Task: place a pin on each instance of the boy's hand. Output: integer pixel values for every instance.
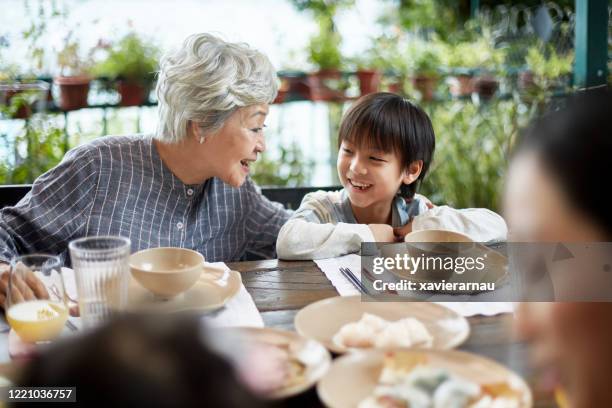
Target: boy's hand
(382, 232)
(427, 201)
(400, 232)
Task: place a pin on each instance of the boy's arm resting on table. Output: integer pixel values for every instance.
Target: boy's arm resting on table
(480, 224)
(263, 222)
(312, 233)
(303, 240)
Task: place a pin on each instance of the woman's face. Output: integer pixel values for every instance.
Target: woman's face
(235, 146)
(570, 341)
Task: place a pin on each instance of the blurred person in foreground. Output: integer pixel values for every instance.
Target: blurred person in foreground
(556, 193)
(143, 361)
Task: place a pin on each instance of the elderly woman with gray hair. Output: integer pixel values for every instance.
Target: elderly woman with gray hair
(187, 186)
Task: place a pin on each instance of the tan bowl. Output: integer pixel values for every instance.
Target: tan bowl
(167, 272)
(436, 236)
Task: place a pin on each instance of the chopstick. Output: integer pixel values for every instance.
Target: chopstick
(71, 326)
(348, 274)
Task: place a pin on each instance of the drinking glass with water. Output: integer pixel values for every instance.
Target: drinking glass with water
(102, 275)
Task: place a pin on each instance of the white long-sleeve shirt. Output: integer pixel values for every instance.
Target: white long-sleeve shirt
(324, 226)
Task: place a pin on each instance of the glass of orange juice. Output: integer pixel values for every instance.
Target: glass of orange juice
(39, 315)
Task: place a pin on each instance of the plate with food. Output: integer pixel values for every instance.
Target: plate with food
(403, 378)
(280, 362)
(347, 323)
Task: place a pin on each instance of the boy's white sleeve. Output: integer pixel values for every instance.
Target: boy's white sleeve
(300, 239)
(480, 224)
(313, 232)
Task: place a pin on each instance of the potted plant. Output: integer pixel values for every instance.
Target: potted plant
(19, 99)
(324, 54)
(132, 63)
(74, 77)
(368, 75)
(293, 86)
(20, 95)
(369, 80)
(424, 64)
(38, 147)
(387, 56)
(546, 68)
(474, 65)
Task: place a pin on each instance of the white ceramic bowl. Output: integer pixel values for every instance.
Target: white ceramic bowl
(167, 272)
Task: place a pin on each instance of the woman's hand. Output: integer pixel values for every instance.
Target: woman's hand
(30, 289)
(382, 232)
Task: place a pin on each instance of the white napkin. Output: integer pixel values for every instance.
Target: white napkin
(331, 269)
(239, 311)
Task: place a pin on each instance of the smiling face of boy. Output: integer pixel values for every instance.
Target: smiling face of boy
(370, 176)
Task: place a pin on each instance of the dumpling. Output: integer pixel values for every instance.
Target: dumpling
(427, 378)
(354, 335)
(407, 332)
(361, 333)
(373, 321)
(455, 393)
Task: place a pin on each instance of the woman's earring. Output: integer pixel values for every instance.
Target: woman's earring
(201, 139)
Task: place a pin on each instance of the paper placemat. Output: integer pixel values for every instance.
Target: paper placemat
(331, 269)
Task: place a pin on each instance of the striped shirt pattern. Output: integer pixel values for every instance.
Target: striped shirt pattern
(118, 185)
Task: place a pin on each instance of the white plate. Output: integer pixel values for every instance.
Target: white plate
(212, 291)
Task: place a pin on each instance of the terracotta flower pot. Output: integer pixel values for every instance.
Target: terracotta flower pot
(396, 87)
(486, 86)
(132, 94)
(280, 96)
(426, 85)
(320, 90)
(24, 111)
(34, 93)
(461, 85)
(73, 91)
(526, 80)
(369, 80)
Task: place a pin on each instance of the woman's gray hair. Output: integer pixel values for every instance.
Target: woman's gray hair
(206, 81)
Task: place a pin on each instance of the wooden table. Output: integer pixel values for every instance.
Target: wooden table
(281, 288)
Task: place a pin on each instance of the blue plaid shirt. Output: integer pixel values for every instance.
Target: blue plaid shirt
(120, 186)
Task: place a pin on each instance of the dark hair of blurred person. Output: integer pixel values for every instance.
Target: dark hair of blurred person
(560, 173)
(141, 361)
(557, 192)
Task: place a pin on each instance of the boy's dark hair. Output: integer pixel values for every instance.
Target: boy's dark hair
(390, 123)
(575, 146)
